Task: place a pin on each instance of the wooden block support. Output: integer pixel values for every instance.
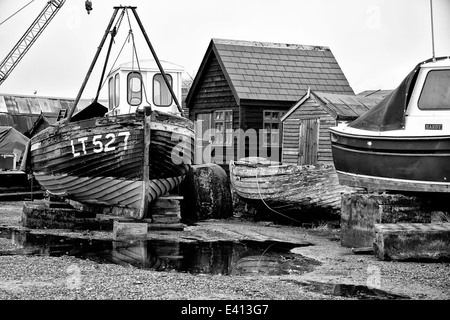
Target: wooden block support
(412, 241)
(44, 214)
(361, 211)
(129, 230)
(166, 214)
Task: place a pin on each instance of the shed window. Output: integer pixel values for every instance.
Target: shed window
(134, 81)
(161, 93)
(272, 127)
(436, 91)
(223, 125)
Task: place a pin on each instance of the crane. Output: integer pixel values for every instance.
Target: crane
(30, 36)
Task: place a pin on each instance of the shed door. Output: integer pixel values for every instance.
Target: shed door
(308, 142)
(202, 123)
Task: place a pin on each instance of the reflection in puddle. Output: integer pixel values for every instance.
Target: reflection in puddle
(217, 257)
(348, 290)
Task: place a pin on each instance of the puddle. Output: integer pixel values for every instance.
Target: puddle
(218, 257)
(359, 292)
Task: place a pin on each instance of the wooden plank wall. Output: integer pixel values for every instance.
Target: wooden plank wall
(291, 138)
(291, 132)
(213, 93)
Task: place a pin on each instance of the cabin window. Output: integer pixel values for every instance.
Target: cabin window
(161, 93)
(436, 91)
(111, 93)
(223, 125)
(134, 96)
(272, 127)
(116, 90)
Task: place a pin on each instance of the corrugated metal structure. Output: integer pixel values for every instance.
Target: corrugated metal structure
(305, 138)
(375, 93)
(23, 112)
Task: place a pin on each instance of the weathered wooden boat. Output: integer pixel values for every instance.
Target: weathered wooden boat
(403, 143)
(298, 192)
(122, 158)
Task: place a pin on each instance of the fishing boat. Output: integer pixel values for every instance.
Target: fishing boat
(297, 192)
(120, 158)
(402, 143)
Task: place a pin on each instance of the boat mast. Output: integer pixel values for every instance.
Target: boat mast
(432, 30)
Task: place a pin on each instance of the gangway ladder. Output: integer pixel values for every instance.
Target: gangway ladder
(34, 31)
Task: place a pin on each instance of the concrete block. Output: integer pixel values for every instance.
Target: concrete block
(129, 230)
(412, 241)
(361, 211)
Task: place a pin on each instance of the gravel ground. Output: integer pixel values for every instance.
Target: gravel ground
(28, 277)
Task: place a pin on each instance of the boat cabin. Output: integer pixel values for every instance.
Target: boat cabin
(402, 143)
(420, 106)
(132, 86)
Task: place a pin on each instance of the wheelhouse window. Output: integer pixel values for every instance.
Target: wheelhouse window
(271, 127)
(161, 93)
(111, 94)
(134, 81)
(223, 125)
(116, 90)
(436, 91)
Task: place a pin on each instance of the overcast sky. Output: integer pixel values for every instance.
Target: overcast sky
(376, 42)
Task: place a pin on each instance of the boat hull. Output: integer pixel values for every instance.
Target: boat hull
(296, 191)
(120, 163)
(416, 164)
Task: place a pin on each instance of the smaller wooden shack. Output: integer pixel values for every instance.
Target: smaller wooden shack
(305, 136)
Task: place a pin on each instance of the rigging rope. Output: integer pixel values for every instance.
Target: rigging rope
(134, 53)
(115, 30)
(114, 63)
(16, 12)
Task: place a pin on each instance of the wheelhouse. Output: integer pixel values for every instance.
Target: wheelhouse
(131, 87)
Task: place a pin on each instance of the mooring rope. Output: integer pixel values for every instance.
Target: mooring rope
(260, 196)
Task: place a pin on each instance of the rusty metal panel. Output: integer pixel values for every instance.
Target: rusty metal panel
(22, 104)
(49, 105)
(6, 120)
(23, 123)
(34, 106)
(11, 105)
(3, 105)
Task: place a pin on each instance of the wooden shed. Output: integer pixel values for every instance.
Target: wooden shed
(305, 138)
(251, 85)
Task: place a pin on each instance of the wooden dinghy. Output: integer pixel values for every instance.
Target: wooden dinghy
(295, 190)
(120, 158)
